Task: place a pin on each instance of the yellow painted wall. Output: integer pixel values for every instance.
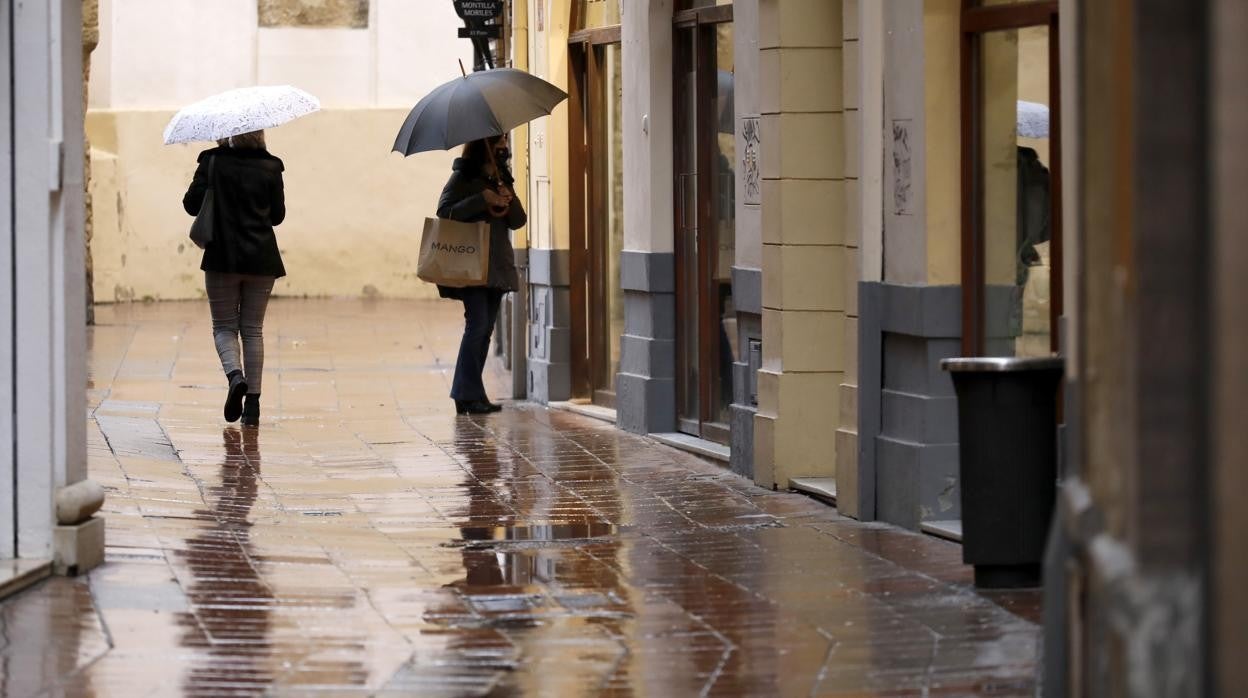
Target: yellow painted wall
(553, 67)
(354, 208)
(942, 107)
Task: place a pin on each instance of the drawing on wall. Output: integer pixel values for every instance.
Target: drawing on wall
(902, 192)
(751, 134)
(342, 14)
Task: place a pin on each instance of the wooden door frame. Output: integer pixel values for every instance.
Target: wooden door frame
(587, 261)
(701, 22)
(974, 22)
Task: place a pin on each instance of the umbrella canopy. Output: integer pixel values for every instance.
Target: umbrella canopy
(239, 111)
(482, 104)
(1033, 120)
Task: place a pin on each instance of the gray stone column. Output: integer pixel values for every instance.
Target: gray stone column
(550, 315)
(646, 384)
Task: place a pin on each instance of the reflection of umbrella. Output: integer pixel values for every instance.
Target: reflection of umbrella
(239, 111)
(483, 104)
(1033, 120)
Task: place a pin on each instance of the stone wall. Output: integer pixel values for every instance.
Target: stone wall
(350, 14)
(90, 39)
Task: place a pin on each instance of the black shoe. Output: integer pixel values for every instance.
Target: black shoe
(476, 407)
(251, 411)
(234, 399)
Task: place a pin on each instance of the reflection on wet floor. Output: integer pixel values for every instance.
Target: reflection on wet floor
(539, 532)
(365, 541)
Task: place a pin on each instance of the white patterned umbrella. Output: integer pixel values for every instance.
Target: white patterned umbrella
(239, 111)
(1033, 120)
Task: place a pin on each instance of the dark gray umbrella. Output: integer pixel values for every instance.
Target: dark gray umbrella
(483, 104)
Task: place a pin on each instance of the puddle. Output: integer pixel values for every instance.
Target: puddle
(539, 532)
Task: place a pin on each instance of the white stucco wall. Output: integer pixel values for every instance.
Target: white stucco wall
(165, 53)
(355, 209)
(647, 117)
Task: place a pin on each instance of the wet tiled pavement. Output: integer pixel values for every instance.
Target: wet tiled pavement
(365, 541)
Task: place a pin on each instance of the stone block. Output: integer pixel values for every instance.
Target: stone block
(853, 214)
(851, 348)
(916, 482)
(847, 393)
(348, 14)
(764, 450)
(645, 405)
(79, 548)
(801, 419)
(804, 211)
(847, 473)
(852, 273)
(742, 427)
(804, 341)
(853, 144)
(800, 23)
(800, 80)
(803, 145)
(803, 277)
(849, 19)
(851, 81)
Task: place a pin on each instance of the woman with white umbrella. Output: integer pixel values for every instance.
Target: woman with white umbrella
(242, 262)
(238, 191)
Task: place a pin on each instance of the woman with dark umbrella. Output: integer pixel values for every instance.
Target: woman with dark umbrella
(480, 190)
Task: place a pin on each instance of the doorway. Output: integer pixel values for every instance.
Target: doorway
(597, 191)
(705, 210)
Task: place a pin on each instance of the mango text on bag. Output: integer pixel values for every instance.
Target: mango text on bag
(457, 249)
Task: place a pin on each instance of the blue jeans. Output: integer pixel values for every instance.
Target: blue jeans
(480, 314)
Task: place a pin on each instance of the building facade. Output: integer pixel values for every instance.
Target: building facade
(761, 224)
(355, 208)
(748, 233)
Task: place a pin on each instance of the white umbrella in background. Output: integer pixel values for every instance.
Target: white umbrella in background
(1033, 120)
(239, 111)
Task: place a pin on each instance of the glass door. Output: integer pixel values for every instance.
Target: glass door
(596, 166)
(605, 222)
(1012, 252)
(705, 208)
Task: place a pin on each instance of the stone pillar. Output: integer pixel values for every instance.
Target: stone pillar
(747, 275)
(646, 383)
(805, 257)
(847, 501)
(549, 298)
(909, 301)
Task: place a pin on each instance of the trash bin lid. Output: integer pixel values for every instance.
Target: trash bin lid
(1002, 363)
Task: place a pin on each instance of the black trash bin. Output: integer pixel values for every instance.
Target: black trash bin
(1007, 453)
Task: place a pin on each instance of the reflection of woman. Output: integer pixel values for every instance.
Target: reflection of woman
(242, 262)
(480, 190)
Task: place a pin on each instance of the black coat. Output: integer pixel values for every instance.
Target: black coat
(463, 201)
(250, 200)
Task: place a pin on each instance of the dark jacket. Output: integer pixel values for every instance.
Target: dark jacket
(462, 200)
(250, 200)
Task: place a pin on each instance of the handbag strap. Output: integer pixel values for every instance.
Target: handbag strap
(212, 166)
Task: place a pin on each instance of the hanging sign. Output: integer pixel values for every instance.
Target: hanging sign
(481, 31)
(478, 10)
